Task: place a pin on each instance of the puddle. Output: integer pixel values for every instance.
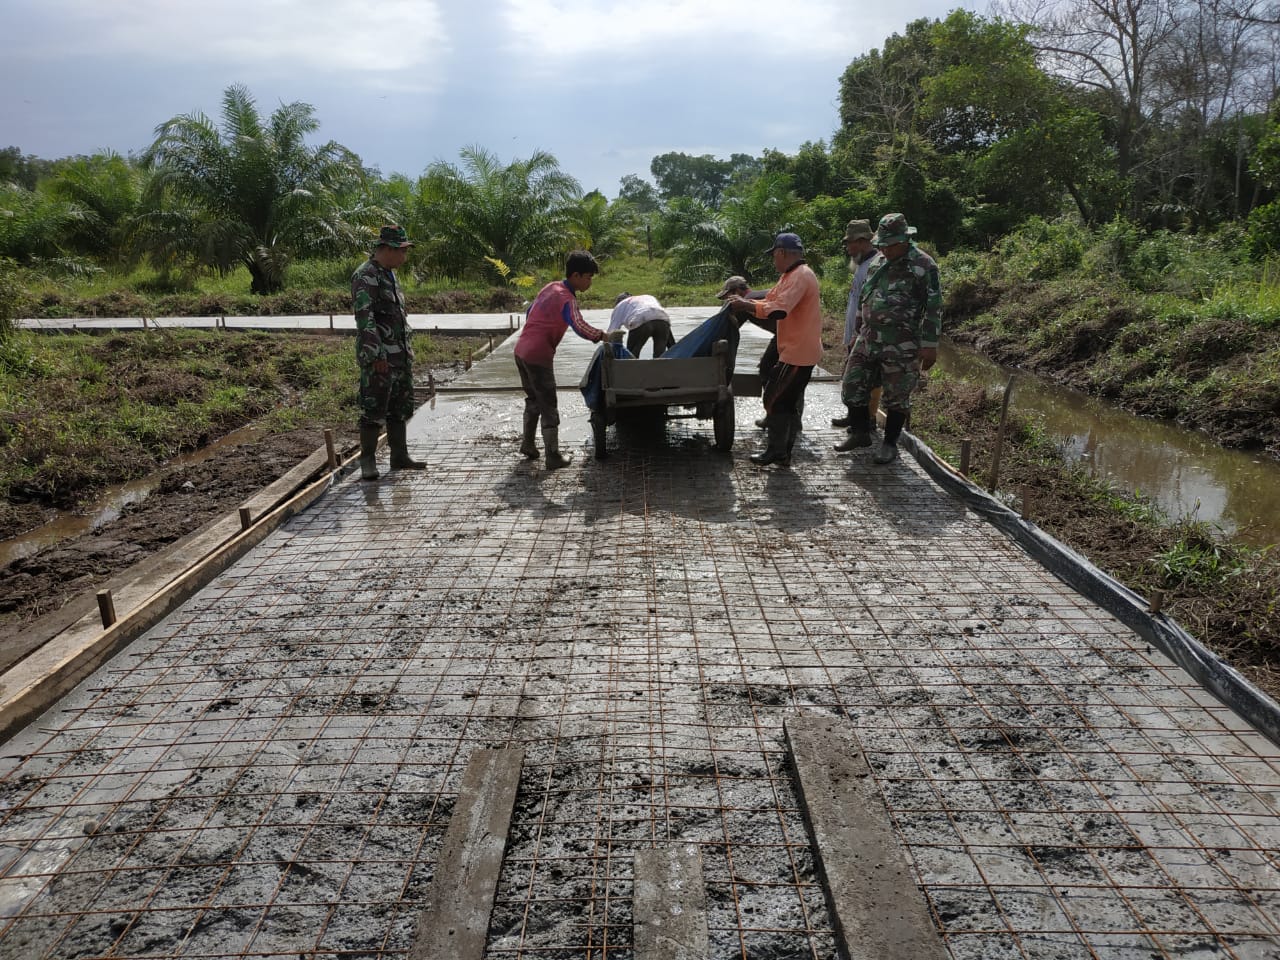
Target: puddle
(113, 501)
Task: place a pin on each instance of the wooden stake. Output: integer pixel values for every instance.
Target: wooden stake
(966, 448)
(994, 476)
(246, 518)
(1026, 502)
(330, 449)
(1157, 600)
(331, 321)
(106, 607)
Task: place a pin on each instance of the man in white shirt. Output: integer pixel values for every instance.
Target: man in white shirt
(643, 318)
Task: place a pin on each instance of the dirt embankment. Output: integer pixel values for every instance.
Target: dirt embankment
(185, 499)
(1218, 374)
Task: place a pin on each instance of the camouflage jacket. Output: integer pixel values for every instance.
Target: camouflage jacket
(902, 299)
(382, 326)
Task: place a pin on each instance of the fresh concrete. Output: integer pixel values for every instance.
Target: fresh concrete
(271, 769)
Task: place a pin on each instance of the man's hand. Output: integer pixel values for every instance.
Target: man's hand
(381, 366)
(741, 305)
(928, 357)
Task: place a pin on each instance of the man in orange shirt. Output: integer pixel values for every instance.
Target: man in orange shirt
(799, 345)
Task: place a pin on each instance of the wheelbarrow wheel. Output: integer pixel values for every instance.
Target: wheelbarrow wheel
(598, 427)
(723, 422)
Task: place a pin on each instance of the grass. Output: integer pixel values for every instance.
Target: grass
(83, 411)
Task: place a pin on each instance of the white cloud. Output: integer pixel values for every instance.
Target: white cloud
(394, 43)
(619, 34)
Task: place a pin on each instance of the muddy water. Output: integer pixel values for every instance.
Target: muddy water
(112, 503)
(1181, 470)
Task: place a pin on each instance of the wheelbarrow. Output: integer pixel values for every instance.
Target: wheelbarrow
(680, 388)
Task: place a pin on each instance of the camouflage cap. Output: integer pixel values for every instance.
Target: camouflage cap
(620, 297)
(893, 229)
(857, 230)
(734, 284)
(393, 236)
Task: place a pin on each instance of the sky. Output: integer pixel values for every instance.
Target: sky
(603, 85)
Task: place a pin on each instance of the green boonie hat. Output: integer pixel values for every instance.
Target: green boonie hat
(857, 230)
(893, 229)
(393, 236)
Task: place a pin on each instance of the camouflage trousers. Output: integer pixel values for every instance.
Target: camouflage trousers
(893, 366)
(385, 396)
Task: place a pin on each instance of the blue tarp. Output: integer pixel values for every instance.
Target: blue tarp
(699, 341)
(592, 385)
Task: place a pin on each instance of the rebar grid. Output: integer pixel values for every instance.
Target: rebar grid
(269, 772)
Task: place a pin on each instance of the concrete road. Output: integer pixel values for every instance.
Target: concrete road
(270, 771)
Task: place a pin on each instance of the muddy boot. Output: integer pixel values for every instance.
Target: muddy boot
(887, 452)
(551, 440)
(398, 444)
(369, 451)
(859, 430)
(778, 449)
(529, 442)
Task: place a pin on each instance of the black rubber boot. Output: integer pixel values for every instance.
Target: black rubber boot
(859, 430)
(529, 442)
(369, 451)
(845, 420)
(551, 440)
(779, 439)
(397, 442)
(887, 452)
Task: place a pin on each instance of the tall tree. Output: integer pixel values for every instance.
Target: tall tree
(520, 213)
(1113, 46)
(640, 194)
(698, 178)
(252, 193)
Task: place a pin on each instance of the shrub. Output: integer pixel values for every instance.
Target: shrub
(1042, 249)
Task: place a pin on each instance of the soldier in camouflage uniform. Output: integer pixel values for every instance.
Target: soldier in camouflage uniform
(901, 306)
(384, 354)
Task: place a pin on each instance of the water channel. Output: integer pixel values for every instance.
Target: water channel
(1182, 471)
(112, 502)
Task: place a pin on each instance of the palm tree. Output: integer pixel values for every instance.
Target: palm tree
(732, 239)
(602, 227)
(106, 188)
(519, 214)
(252, 193)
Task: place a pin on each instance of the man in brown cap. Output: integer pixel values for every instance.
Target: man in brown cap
(857, 244)
(383, 353)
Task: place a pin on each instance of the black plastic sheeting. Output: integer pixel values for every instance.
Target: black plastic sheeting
(1160, 631)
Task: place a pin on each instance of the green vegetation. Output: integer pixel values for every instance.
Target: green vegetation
(85, 411)
(1165, 324)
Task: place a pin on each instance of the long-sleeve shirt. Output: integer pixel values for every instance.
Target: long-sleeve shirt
(902, 300)
(553, 312)
(800, 333)
(852, 312)
(382, 327)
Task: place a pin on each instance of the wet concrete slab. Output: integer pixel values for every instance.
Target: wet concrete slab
(272, 769)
